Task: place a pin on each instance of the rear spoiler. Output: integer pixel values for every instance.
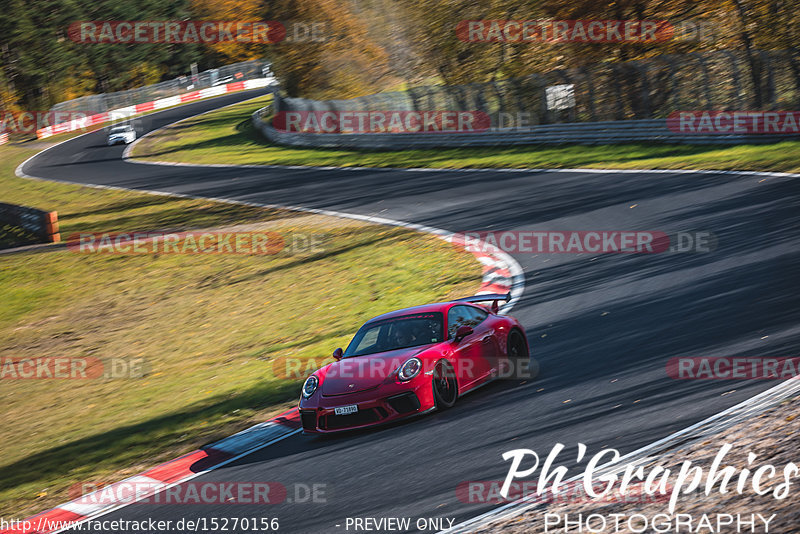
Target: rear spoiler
(487, 297)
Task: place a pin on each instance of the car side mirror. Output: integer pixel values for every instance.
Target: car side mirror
(462, 332)
(337, 354)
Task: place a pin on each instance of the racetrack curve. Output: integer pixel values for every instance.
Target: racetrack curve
(602, 327)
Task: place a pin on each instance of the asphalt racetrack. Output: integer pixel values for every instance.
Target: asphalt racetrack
(602, 326)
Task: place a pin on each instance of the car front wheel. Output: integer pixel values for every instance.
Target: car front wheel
(445, 387)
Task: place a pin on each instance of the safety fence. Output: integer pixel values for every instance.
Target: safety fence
(236, 72)
(604, 103)
(123, 114)
(606, 132)
(635, 90)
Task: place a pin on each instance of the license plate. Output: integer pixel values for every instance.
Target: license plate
(346, 410)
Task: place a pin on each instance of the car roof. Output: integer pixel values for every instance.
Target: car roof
(425, 308)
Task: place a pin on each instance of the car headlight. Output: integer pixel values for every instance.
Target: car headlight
(310, 386)
(409, 370)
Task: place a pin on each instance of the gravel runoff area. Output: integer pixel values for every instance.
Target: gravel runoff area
(771, 436)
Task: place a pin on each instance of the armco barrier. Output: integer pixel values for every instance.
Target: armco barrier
(102, 102)
(126, 112)
(604, 91)
(43, 224)
(607, 132)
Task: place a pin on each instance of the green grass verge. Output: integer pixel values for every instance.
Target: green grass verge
(14, 236)
(226, 136)
(210, 328)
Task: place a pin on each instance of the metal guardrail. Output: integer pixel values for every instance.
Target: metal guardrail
(606, 132)
(652, 88)
(101, 103)
(596, 104)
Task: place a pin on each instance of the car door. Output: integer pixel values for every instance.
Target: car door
(484, 331)
(471, 365)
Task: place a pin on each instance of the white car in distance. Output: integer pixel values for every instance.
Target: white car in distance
(125, 134)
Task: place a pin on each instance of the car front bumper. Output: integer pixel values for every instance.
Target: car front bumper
(381, 405)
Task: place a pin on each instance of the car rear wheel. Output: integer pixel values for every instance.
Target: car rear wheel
(445, 387)
(523, 365)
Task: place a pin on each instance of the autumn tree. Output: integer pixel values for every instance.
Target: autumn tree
(346, 62)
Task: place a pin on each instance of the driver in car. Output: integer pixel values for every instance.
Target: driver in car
(404, 336)
(412, 333)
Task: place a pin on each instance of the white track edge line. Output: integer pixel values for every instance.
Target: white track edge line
(517, 274)
(766, 174)
(18, 171)
(514, 267)
(128, 157)
(126, 154)
(192, 476)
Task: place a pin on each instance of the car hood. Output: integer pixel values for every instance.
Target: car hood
(361, 373)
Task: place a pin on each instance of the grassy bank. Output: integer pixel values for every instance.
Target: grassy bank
(226, 136)
(211, 330)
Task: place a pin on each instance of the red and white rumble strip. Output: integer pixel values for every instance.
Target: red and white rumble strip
(126, 112)
(3, 138)
(501, 274)
(498, 276)
(163, 476)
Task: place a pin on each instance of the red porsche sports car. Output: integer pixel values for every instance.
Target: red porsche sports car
(412, 361)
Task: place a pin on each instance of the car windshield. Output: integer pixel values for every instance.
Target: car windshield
(120, 129)
(397, 333)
